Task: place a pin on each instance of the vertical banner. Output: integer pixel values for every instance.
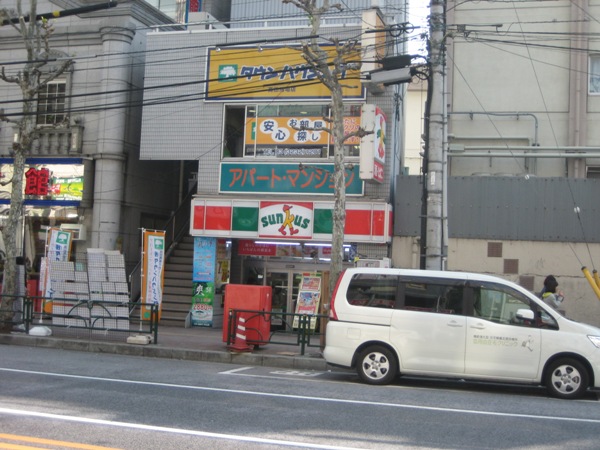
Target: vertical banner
(58, 249)
(203, 296)
(153, 271)
(59, 244)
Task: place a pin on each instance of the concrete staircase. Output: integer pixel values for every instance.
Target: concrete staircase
(177, 294)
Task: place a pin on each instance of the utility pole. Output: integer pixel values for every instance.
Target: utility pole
(436, 234)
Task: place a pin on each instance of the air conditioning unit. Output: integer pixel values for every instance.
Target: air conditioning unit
(380, 263)
(78, 231)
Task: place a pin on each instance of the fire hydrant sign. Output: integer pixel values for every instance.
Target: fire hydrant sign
(203, 296)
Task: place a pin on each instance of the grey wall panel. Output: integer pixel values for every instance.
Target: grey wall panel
(508, 208)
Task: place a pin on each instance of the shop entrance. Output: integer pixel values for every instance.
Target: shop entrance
(286, 280)
(285, 286)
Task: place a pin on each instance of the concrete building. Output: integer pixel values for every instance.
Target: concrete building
(89, 123)
(244, 93)
(523, 151)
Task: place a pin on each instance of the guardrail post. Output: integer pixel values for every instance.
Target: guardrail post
(154, 322)
(27, 313)
(303, 333)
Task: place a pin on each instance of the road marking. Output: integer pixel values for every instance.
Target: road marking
(227, 372)
(47, 442)
(296, 373)
(139, 426)
(306, 397)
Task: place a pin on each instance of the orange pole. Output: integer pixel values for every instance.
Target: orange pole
(588, 276)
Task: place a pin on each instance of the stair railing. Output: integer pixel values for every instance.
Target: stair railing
(175, 229)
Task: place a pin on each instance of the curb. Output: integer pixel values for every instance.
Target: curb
(156, 351)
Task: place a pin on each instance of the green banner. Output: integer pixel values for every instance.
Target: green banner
(285, 178)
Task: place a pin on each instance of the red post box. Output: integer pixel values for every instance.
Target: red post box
(249, 297)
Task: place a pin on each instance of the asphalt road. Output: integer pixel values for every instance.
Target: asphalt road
(63, 399)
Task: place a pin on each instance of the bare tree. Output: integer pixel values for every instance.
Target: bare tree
(330, 70)
(31, 79)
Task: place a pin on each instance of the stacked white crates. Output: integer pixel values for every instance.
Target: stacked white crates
(92, 295)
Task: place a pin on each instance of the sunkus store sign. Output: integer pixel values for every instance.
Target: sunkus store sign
(279, 220)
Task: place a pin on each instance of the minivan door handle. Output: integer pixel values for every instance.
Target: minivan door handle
(478, 326)
(455, 324)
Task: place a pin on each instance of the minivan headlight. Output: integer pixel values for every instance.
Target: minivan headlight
(595, 340)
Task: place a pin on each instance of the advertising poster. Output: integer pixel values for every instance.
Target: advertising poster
(205, 270)
(153, 259)
(308, 300)
(202, 304)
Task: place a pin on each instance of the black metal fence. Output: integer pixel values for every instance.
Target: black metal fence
(87, 319)
(266, 327)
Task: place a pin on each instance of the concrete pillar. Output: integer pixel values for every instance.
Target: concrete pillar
(111, 153)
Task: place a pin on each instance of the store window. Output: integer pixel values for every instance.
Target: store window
(51, 103)
(295, 131)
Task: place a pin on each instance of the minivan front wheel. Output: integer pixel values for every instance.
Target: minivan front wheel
(567, 378)
(377, 365)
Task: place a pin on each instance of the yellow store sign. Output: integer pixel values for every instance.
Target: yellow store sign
(281, 73)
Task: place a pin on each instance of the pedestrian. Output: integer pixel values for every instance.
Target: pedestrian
(551, 295)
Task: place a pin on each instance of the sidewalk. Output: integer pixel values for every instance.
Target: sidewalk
(194, 344)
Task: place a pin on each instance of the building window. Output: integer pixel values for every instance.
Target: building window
(593, 172)
(594, 72)
(51, 104)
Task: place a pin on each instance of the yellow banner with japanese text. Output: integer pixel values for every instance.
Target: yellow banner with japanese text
(264, 73)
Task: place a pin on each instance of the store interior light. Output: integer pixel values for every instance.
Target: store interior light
(276, 243)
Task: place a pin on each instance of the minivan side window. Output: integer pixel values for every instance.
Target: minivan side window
(501, 304)
(437, 296)
(374, 290)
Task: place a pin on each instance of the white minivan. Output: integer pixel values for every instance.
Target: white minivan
(386, 322)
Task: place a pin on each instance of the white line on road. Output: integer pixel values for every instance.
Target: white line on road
(139, 426)
(227, 372)
(305, 397)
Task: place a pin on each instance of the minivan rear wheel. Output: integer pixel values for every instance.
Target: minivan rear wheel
(377, 365)
(567, 378)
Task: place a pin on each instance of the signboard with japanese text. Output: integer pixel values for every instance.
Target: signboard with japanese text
(307, 303)
(202, 304)
(295, 131)
(52, 180)
(372, 146)
(204, 270)
(153, 263)
(58, 248)
(205, 257)
(251, 73)
(252, 248)
(59, 244)
(282, 178)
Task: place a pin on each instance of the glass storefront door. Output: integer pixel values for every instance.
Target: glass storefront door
(285, 286)
(286, 280)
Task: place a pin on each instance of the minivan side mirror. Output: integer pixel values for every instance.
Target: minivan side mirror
(525, 314)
